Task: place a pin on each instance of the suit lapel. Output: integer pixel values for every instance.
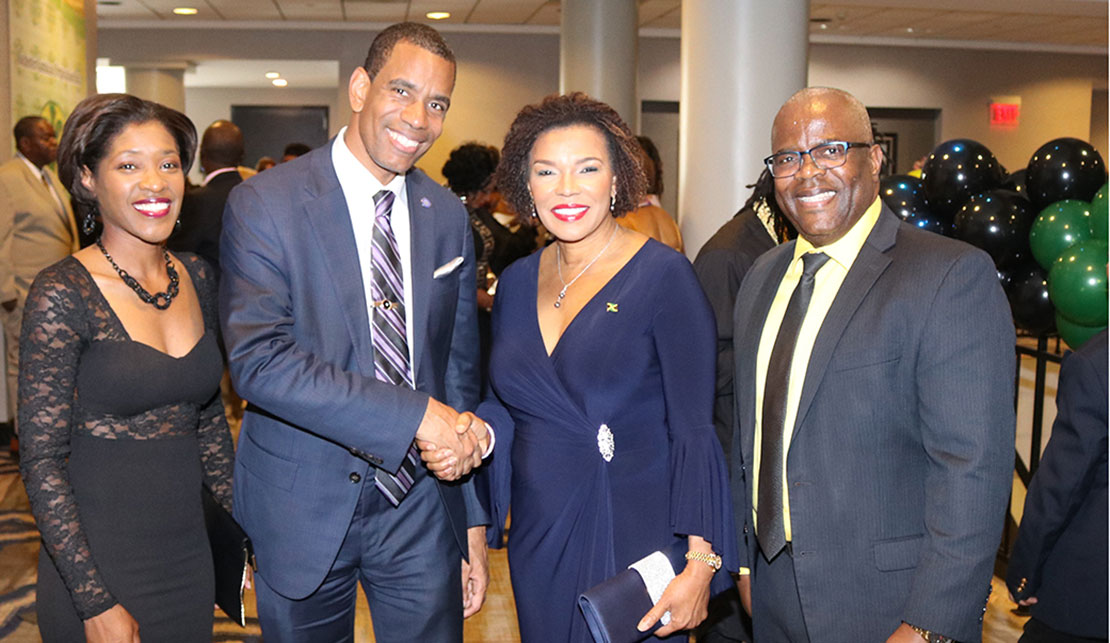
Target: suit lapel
(865, 271)
(748, 346)
(66, 213)
(422, 245)
(326, 210)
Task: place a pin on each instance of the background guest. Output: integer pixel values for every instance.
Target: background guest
(36, 229)
(1058, 566)
(649, 217)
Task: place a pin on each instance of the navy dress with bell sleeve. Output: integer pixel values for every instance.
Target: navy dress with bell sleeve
(606, 448)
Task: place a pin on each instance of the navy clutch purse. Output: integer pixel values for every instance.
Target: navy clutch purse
(614, 607)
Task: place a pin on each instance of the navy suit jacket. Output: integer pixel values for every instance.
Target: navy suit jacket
(900, 464)
(202, 212)
(295, 323)
(1060, 552)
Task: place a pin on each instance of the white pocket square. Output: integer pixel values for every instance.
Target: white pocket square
(447, 268)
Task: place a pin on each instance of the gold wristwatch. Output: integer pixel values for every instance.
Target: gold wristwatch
(713, 560)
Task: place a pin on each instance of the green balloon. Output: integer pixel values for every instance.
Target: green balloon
(1075, 334)
(1099, 225)
(1077, 283)
(1058, 226)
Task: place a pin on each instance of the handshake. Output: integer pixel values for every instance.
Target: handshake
(451, 443)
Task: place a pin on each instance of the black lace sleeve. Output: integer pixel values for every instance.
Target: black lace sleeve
(216, 450)
(55, 329)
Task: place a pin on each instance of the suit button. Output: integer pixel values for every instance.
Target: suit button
(354, 477)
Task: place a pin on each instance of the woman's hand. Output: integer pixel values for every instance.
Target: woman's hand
(114, 625)
(686, 597)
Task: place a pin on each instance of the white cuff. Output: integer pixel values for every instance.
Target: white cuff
(492, 441)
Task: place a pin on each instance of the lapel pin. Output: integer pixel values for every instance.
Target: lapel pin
(425, 202)
(610, 307)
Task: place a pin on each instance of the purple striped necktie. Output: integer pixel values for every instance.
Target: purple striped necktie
(391, 346)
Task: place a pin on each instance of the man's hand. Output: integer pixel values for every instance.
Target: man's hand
(114, 625)
(451, 444)
(475, 574)
(744, 585)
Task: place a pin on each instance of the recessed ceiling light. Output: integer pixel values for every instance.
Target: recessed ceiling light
(438, 15)
(279, 82)
(185, 11)
(272, 75)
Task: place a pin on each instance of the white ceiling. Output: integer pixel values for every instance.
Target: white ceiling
(1047, 22)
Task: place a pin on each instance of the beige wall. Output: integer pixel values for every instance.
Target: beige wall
(499, 73)
(1055, 90)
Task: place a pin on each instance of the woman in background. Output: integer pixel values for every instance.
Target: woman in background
(119, 408)
(649, 217)
(601, 382)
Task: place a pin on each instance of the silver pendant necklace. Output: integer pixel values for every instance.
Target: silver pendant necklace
(559, 266)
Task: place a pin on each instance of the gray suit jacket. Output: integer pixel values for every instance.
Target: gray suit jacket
(298, 342)
(899, 468)
(35, 231)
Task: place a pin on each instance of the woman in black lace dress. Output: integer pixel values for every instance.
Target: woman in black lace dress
(119, 409)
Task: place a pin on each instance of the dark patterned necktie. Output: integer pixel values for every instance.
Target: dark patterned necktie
(391, 346)
(771, 529)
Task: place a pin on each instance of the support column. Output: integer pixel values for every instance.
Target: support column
(741, 59)
(597, 53)
(162, 82)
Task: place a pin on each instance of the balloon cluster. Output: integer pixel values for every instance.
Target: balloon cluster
(1045, 226)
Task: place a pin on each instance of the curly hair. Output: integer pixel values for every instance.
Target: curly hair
(95, 123)
(469, 167)
(555, 112)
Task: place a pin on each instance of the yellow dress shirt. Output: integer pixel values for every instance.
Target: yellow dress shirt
(843, 253)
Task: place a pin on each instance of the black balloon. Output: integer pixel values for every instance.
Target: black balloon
(905, 195)
(998, 222)
(1029, 302)
(1064, 168)
(955, 171)
(1015, 182)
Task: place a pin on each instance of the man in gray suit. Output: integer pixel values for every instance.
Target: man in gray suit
(36, 227)
(874, 388)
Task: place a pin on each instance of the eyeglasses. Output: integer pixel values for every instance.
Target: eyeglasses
(825, 156)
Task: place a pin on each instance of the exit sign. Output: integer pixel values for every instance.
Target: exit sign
(1005, 111)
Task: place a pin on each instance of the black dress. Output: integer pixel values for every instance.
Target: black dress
(116, 439)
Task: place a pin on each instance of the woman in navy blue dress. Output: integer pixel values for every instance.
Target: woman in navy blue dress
(601, 384)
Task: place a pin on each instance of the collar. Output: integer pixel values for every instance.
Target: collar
(845, 249)
(354, 178)
(223, 170)
(37, 170)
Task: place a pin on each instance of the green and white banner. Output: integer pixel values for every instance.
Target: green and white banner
(47, 58)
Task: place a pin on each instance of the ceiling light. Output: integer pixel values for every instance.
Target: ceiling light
(438, 15)
(272, 75)
(185, 11)
(279, 82)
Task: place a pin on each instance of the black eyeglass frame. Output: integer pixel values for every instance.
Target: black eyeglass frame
(847, 145)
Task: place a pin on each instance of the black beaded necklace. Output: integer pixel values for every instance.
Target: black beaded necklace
(160, 300)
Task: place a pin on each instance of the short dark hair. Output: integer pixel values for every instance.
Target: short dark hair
(418, 34)
(25, 127)
(655, 182)
(555, 112)
(296, 149)
(469, 167)
(95, 123)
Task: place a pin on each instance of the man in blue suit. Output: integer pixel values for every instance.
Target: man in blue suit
(874, 391)
(1058, 566)
(349, 315)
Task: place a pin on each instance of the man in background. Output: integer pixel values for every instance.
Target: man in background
(37, 229)
(202, 211)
